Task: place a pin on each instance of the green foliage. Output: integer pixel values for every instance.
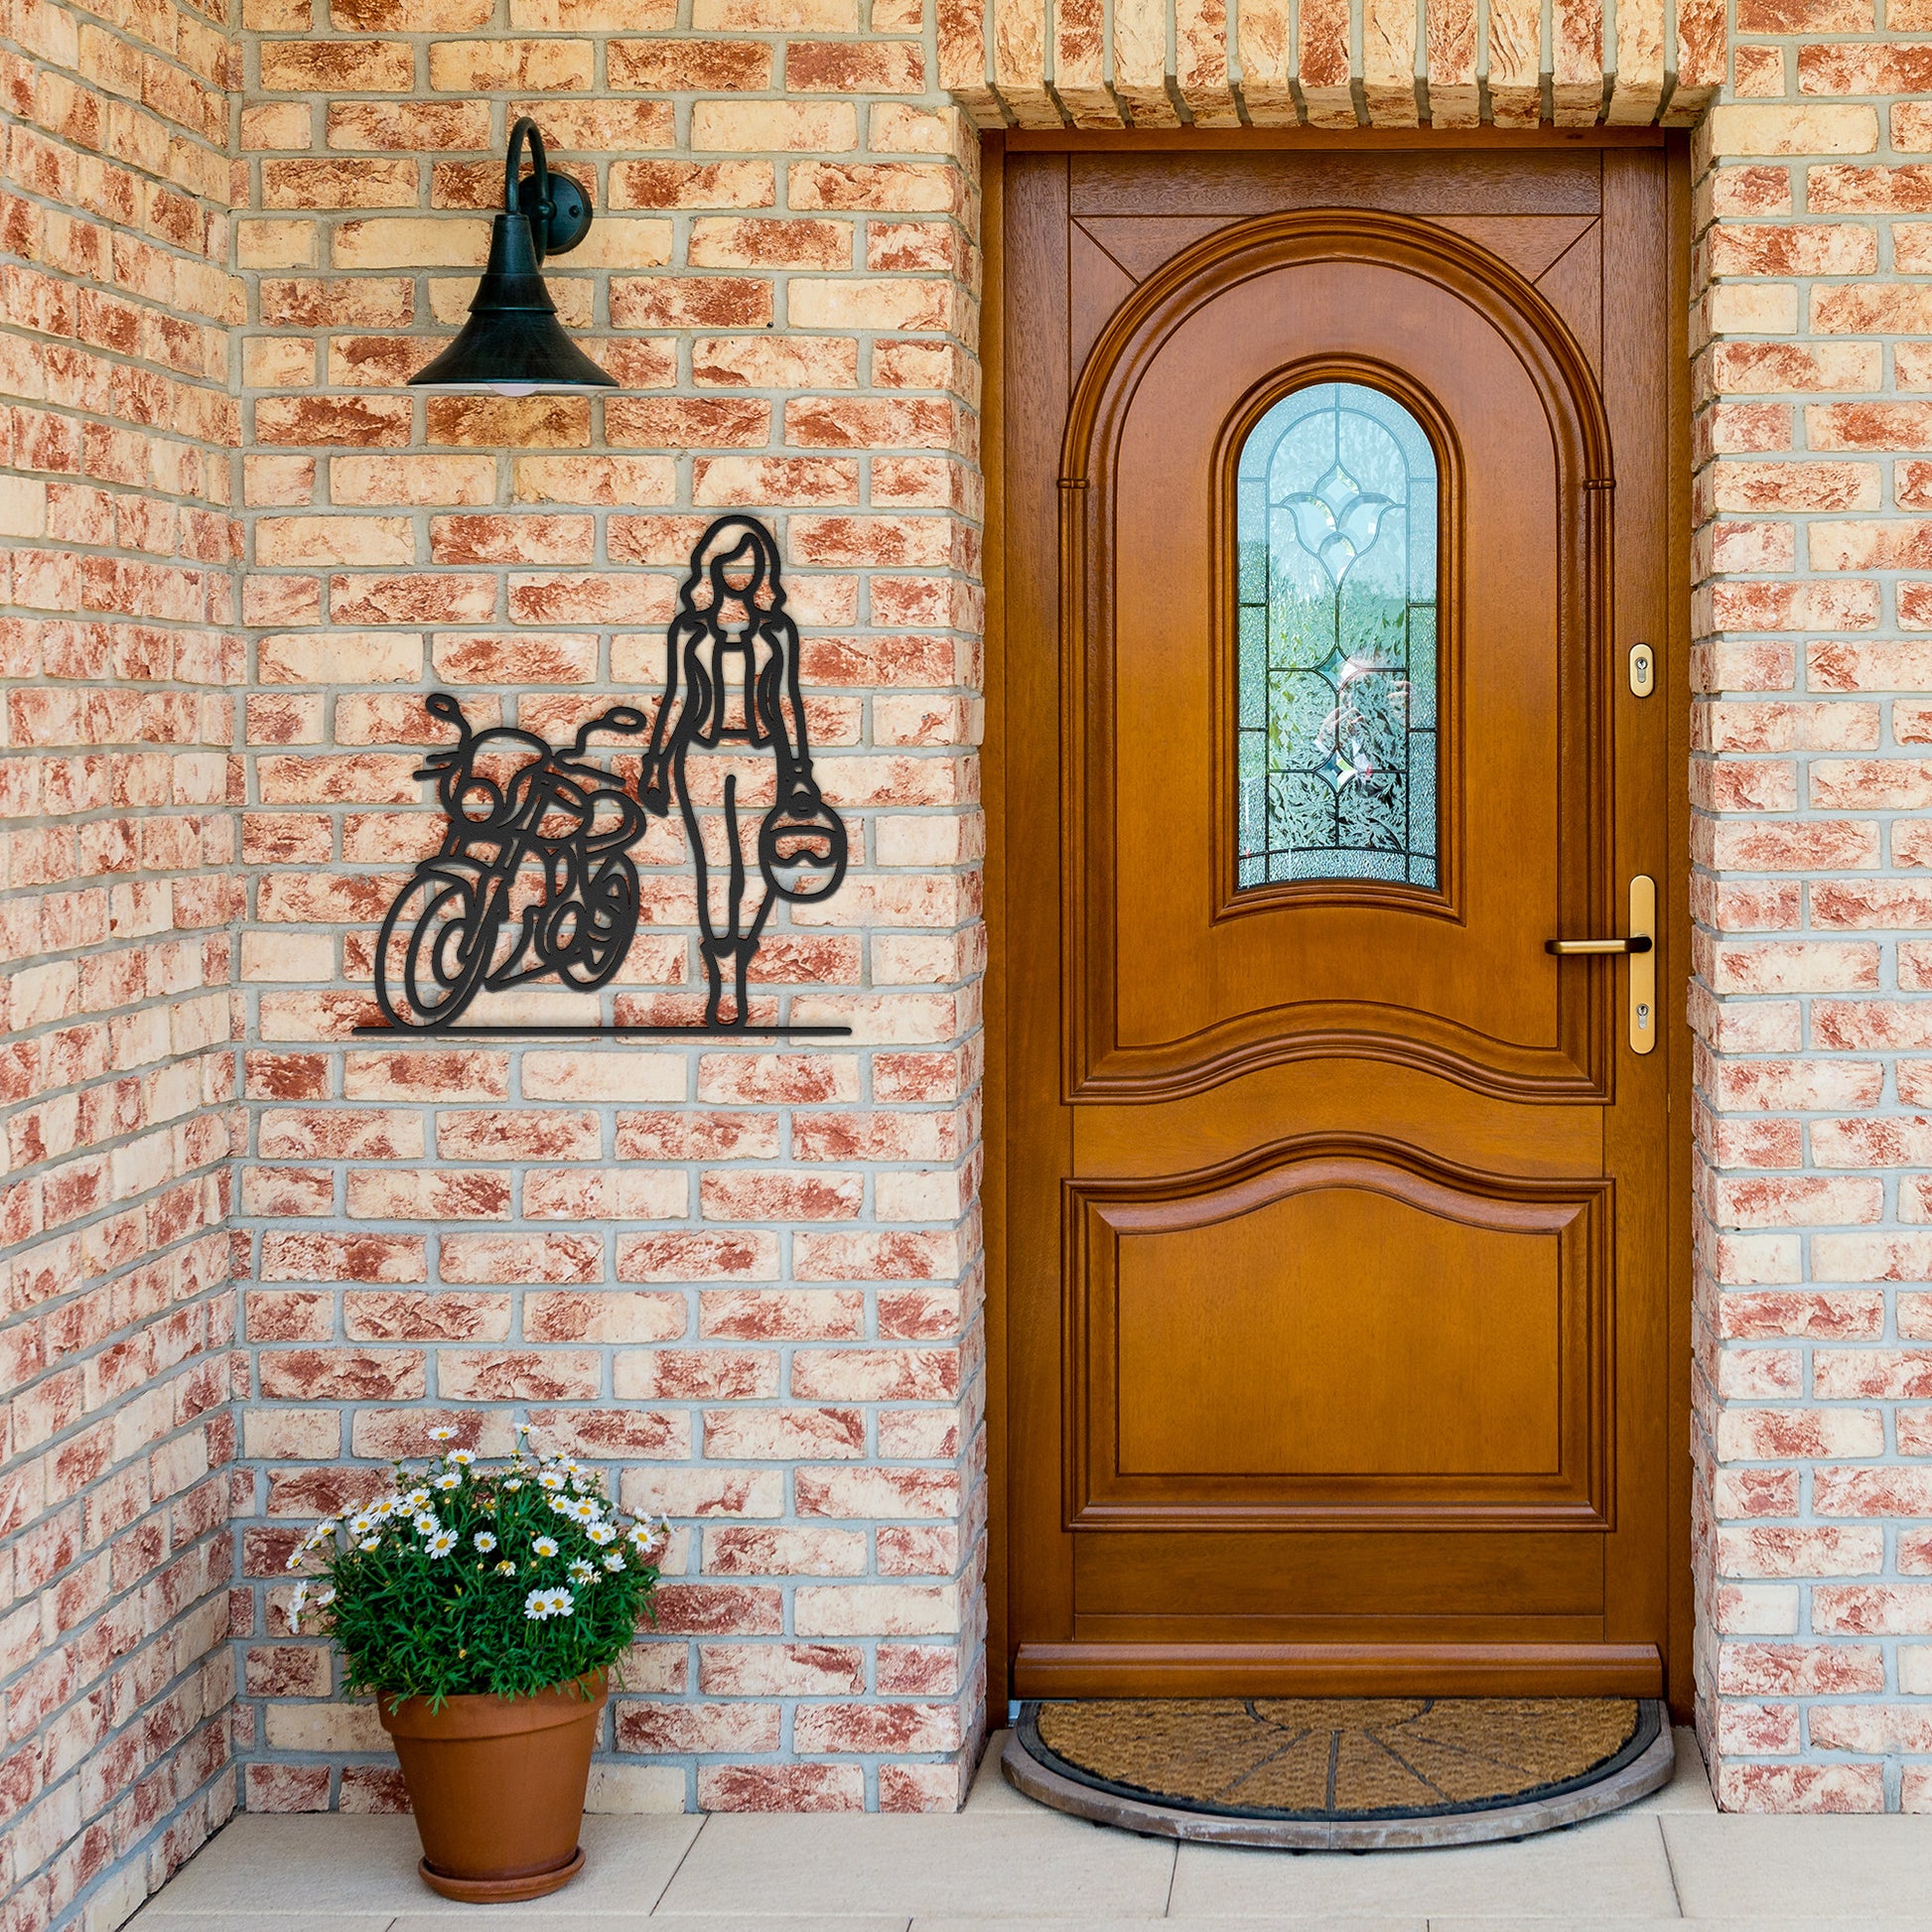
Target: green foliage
(466, 1579)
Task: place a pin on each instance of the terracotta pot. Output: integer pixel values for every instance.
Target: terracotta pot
(498, 1786)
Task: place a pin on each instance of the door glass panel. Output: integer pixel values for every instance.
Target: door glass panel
(1335, 523)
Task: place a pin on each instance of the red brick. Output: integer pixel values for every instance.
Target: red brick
(697, 1727)
(781, 1787)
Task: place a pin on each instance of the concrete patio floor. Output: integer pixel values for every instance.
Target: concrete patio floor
(1671, 1858)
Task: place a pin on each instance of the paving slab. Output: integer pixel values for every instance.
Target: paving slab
(990, 1789)
(1592, 1923)
(156, 1922)
(1759, 1867)
(1039, 1866)
(306, 1866)
(1613, 1868)
(533, 1918)
(1181, 1925)
(778, 1922)
(527, 1918)
(1689, 1788)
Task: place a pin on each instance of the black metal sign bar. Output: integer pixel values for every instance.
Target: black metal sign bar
(609, 1033)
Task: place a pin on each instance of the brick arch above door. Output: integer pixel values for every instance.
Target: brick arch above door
(1110, 64)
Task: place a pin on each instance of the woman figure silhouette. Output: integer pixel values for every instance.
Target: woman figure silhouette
(730, 687)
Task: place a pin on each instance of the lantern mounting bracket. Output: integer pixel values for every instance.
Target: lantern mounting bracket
(558, 210)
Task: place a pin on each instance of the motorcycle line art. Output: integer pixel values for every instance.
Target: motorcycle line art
(534, 875)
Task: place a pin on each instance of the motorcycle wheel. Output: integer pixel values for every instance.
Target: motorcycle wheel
(434, 948)
(589, 936)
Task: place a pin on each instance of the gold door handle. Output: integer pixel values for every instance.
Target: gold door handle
(1641, 947)
(1570, 948)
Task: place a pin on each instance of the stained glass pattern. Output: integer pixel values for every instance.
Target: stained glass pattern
(1335, 523)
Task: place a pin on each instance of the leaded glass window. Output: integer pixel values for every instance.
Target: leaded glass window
(1335, 515)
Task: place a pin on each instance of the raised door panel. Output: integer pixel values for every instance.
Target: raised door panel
(1337, 1586)
(1332, 1336)
(1561, 253)
(1346, 1334)
(1519, 183)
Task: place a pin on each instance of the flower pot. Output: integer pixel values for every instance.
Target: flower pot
(498, 1787)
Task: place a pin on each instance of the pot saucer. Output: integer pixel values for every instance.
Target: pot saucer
(502, 1891)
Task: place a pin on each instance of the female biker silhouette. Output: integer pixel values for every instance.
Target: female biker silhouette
(732, 688)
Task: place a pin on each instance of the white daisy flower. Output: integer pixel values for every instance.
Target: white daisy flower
(507, 1568)
(441, 1434)
(361, 1523)
(552, 1479)
(386, 1507)
(642, 1536)
(450, 1479)
(460, 1457)
(545, 1546)
(614, 1562)
(582, 1572)
(371, 1543)
(584, 1510)
(426, 1523)
(536, 1607)
(441, 1542)
(485, 1541)
(515, 1482)
(325, 1596)
(602, 1533)
(416, 1498)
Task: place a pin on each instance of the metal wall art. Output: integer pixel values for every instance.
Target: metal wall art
(534, 875)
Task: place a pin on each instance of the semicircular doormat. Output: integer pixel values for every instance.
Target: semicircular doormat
(1353, 1773)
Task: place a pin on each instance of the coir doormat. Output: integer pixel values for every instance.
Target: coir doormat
(1340, 1772)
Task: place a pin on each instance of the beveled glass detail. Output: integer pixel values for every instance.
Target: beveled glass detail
(1336, 527)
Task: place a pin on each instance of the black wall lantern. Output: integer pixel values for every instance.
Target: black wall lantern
(513, 343)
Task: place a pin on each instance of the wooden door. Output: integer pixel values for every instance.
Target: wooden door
(1338, 1244)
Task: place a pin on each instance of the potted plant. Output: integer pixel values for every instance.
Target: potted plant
(486, 1607)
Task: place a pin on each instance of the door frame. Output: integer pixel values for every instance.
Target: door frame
(1675, 689)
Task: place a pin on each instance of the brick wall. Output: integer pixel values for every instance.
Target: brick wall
(118, 899)
(1811, 780)
(743, 1276)
(746, 1278)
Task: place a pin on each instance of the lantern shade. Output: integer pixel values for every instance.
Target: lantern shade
(513, 343)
